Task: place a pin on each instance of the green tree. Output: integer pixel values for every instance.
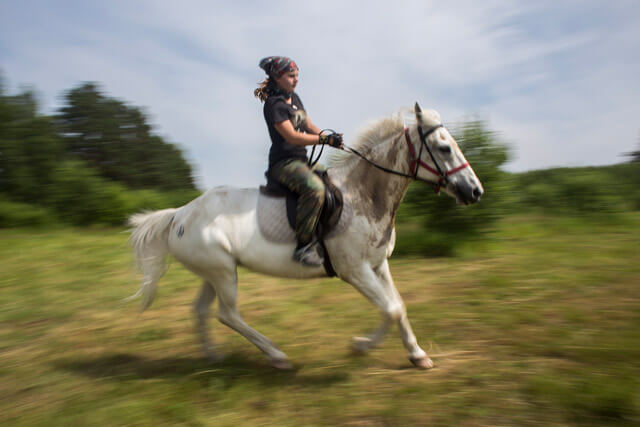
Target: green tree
(29, 148)
(80, 166)
(117, 140)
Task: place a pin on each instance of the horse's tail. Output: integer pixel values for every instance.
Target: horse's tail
(149, 239)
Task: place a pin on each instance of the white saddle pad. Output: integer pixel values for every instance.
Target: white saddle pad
(273, 223)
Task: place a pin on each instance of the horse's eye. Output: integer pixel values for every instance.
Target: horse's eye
(445, 149)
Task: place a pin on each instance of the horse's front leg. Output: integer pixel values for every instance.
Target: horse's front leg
(416, 354)
(364, 344)
(378, 287)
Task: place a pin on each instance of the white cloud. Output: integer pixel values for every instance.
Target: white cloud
(558, 80)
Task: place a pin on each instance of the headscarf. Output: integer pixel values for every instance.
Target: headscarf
(276, 66)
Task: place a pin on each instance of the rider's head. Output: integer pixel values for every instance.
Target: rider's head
(277, 66)
(282, 74)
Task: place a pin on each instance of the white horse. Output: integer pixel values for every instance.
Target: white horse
(218, 231)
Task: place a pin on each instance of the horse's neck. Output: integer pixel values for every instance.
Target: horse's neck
(374, 193)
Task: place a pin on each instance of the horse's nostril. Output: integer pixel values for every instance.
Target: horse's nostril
(477, 192)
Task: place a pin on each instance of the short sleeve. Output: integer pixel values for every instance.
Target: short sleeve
(277, 112)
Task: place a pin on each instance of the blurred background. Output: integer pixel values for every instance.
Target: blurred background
(528, 302)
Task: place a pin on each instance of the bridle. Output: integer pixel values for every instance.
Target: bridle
(443, 177)
(416, 163)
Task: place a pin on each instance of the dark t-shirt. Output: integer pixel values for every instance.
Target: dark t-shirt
(276, 110)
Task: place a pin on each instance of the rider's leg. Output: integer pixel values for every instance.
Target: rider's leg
(299, 178)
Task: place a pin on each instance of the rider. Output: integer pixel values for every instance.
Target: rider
(291, 130)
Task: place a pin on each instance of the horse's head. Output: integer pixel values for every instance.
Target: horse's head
(441, 160)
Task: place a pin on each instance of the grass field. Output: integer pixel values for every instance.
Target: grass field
(538, 325)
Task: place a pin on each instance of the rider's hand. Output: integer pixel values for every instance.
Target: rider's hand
(334, 139)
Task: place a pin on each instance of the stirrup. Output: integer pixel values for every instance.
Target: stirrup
(309, 254)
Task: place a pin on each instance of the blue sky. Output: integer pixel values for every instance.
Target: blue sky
(557, 79)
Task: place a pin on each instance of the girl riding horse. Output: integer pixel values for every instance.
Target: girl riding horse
(290, 130)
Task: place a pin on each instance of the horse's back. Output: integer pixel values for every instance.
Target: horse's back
(219, 229)
(215, 220)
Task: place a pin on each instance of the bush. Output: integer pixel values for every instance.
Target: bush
(77, 195)
(624, 180)
(577, 191)
(412, 242)
(140, 200)
(81, 197)
(16, 214)
(588, 194)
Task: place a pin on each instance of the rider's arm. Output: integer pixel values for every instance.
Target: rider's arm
(294, 137)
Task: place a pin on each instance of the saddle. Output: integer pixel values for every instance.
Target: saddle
(329, 216)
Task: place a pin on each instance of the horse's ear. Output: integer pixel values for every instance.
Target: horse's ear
(418, 111)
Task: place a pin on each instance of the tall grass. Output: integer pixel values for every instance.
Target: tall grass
(538, 325)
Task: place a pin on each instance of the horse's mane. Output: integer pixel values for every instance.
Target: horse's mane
(370, 135)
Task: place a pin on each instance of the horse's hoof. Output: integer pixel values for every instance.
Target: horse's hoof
(422, 362)
(281, 364)
(361, 345)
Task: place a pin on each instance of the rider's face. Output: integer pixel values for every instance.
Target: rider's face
(288, 81)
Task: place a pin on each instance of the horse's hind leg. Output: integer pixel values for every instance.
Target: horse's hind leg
(201, 309)
(226, 286)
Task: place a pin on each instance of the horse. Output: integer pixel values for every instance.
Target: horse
(219, 230)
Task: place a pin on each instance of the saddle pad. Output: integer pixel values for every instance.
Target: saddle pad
(274, 226)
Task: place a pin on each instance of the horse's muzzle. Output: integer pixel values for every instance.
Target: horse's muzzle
(469, 193)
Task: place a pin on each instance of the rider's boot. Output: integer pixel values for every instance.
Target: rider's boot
(310, 254)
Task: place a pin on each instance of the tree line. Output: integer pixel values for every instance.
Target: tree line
(97, 160)
(92, 161)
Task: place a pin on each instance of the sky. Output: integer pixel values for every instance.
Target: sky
(558, 80)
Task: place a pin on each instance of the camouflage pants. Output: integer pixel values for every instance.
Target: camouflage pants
(299, 178)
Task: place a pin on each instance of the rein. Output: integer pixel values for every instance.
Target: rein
(311, 162)
(416, 163)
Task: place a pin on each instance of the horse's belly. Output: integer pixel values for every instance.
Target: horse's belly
(275, 259)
